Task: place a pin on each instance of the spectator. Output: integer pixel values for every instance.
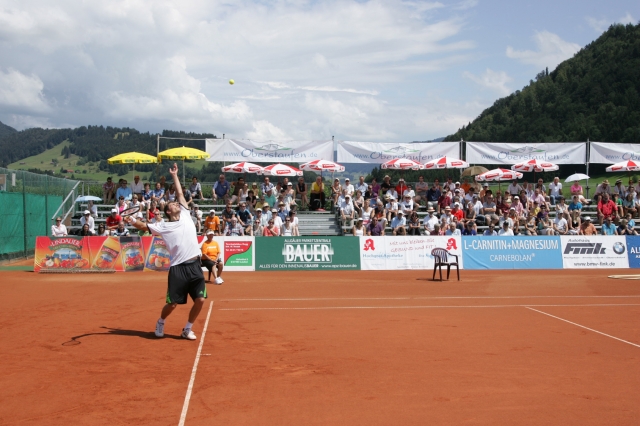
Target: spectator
(163, 183)
(574, 222)
(603, 188)
(375, 190)
(317, 196)
(627, 227)
(234, 229)
(237, 187)
(212, 257)
(576, 190)
(469, 229)
(108, 191)
(465, 186)
(608, 228)
(282, 212)
(452, 230)
(271, 230)
(288, 230)
(385, 186)
(555, 190)
(336, 191)
(196, 189)
(406, 206)
(257, 226)
(170, 194)
(212, 223)
(587, 228)
(400, 187)
(367, 212)
(289, 195)
(414, 224)
(459, 189)
(606, 208)
(410, 192)
(124, 190)
(430, 221)
(433, 196)
(436, 230)
(629, 205)
(59, 229)
(489, 210)
(147, 194)
(220, 190)
(86, 219)
(277, 220)
(575, 204)
(490, 231)
(120, 230)
(137, 187)
(540, 187)
(85, 231)
(514, 188)
(348, 188)
(196, 216)
(422, 188)
(399, 224)
(560, 225)
(392, 192)
(619, 205)
(347, 211)
(102, 231)
(158, 194)
(449, 185)
(226, 215)
(446, 217)
(375, 228)
(245, 218)
(444, 201)
(361, 185)
(301, 192)
(122, 204)
(391, 208)
(264, 216)
(294, 222)
(484, 192)
(358, 230)
(93, 209)
(619, 189)
(113, 220)
(457, 212)
(530, 227)
(505, 231)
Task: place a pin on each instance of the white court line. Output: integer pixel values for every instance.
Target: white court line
(187, 397)
(422, 298)
(319, 308)
(586, 328)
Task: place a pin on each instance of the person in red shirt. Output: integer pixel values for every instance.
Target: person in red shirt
(457, 211)
(606, 208)
(444, 201)
(113, 220)
(400, 187)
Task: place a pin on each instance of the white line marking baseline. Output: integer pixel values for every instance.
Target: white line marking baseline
(187, 397)
(582, 326)
(423, 298)
(416, 307)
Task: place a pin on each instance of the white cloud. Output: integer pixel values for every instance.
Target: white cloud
(466, 4)
(494, 80)
(263, 130)
(551, 51)
(22, 93)
(601, 25)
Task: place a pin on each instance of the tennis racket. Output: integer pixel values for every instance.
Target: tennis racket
(130, 211)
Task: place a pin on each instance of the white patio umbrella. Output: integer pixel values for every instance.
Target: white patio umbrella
(280, 170)
(322, 166)
(498, 175)
(535, 166)
(244, 167)
(446, 163)
(624, 166)
(402, 164)
(577, 177)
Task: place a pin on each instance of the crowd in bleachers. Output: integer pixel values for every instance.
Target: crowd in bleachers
(374, 208)
(454, 208)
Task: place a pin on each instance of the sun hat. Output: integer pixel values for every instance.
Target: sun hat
(114, 210)
(87, 212)
(210, 232)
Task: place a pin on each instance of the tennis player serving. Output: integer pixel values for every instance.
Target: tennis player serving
(185, 273)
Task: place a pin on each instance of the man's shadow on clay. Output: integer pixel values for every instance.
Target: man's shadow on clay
(75, 340)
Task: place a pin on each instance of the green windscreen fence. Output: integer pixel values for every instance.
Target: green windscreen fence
(27, 203)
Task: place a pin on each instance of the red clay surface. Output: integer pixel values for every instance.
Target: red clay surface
(361, 348)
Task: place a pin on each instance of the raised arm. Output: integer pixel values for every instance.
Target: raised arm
(178, 186)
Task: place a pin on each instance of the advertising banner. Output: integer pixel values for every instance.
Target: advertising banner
(238, 150)
(514, 153)
(130, 254)
(511, 252)
(633, 250)
(306, 253)
(378, 153)
(601, 251)
(410, 252)
(610, 153)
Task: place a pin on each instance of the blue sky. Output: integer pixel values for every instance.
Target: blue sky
(385, 71)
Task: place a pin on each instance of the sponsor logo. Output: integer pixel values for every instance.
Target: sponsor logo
(618, 248)
(368, 245)
(401, 150)
(273, 147)
(451, 244)
(308, 252)
(585, 248)
(526, 150)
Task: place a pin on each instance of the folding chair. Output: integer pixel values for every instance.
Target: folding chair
(442, 258)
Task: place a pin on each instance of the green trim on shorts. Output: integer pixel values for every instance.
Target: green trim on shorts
(168, 298)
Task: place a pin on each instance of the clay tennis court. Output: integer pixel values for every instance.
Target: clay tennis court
(324, 348)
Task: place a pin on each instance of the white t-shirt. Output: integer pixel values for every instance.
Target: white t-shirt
(180, 237)
(430, 222)
(506, 233)
(555, 188)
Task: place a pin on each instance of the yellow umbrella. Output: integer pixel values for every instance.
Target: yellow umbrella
(132, 158)
(182, 153)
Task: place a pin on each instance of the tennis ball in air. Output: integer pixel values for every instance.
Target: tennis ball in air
(231, 82)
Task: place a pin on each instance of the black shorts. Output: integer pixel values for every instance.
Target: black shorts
(186, 278)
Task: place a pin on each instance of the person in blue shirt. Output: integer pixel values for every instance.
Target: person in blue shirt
(469, 229)
(221, 189)
(124, 190)
(608, 228)
(399, 224)
(575, 204)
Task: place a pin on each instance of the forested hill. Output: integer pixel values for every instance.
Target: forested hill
(93, 143)
(594, 95)
(6, 130)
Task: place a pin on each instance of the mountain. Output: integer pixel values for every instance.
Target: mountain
(6, 130)
(594, 95)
